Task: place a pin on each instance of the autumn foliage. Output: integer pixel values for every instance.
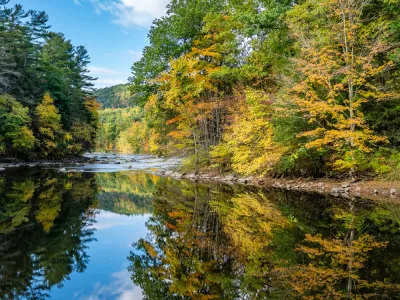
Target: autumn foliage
(273, 87)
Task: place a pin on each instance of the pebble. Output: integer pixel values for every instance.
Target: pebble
(393, 191)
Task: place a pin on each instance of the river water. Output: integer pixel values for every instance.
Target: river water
(115, 230)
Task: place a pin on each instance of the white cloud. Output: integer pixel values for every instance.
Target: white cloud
(121, 288)
(108, 77)
(108, 220)
(101, 70)
(77, 3)
(128, 13)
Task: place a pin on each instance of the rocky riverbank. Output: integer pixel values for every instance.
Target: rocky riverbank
(372, 189)
(8, 162)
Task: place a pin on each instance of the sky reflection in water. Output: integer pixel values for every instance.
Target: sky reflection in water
(107, 276)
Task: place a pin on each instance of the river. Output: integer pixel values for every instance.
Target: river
(116, 230)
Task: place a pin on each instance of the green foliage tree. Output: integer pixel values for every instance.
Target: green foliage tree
(15, 133)
(35, 61)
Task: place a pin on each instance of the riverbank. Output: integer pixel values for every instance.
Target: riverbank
(9, 162)
(371, 189)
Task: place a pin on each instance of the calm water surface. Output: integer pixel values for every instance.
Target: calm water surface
(134, 235)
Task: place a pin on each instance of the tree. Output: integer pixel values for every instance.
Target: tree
(34, 61)
(342, 55)
(15, 133)
(48, 126)
(248, 145)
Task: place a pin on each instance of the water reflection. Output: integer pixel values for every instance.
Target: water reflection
(126, 193)
(43, 231)
(191, 241)
(216, 242)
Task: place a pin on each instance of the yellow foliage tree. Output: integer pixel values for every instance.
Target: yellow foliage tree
(48, 123)
(340, 59)
(249, 142)
(196, 89)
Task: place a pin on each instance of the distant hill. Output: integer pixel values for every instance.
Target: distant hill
(117, 96)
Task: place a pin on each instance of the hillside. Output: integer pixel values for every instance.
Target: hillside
(117, 96)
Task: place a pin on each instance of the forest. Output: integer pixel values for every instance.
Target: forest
(257, 87)
(46, 107)
(284, 88)
(117, 96)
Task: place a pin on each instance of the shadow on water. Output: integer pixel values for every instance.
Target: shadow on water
(204, 241)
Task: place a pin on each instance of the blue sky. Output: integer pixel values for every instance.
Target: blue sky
(113, 31)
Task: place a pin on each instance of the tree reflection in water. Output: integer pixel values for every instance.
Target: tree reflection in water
(44, 230)
(204, 241)
(218, 242)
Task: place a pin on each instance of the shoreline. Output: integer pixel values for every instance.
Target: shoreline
(374, 189)
(7, 162)
(368, 189)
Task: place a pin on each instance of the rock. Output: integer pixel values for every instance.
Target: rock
(191, 176)
(261, 182)
(63, 170)
(2, 169)
(229, 178)
(176, 175)
(345, 185)
(393, 191)
(346, 189)
(168, 173)
(335, 191)
(376, 192)
(242, 180)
